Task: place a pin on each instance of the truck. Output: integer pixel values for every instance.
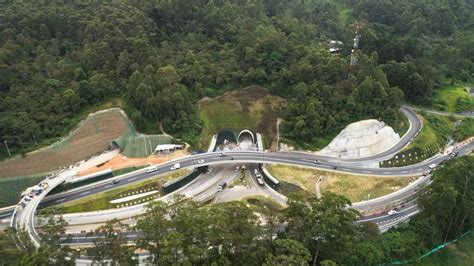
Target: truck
(175, 166)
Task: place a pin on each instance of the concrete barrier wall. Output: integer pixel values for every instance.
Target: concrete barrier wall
(259, 142)
(212, 146)
(271, 181)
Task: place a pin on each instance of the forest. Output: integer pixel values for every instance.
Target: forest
(314, 232)
(58, 58)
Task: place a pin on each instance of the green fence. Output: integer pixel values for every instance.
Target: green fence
(141, 146)
(11, 188)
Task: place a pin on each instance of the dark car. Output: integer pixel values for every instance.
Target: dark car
(115, 182)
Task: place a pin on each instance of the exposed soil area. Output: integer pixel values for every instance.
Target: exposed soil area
(121, 161)
(92, 136)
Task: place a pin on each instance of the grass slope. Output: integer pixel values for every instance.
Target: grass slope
(354, 187)
(436, 131)
(465, 130)
(453, 99)
(250, 108)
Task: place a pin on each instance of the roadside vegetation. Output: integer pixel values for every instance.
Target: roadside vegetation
(458, 254)
(102, 201)
(465, 129)
(355, 187)
(437, 130)
(454, 99)
(262, 205)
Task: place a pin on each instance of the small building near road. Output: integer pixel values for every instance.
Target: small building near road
(167, 148)
(335, 47)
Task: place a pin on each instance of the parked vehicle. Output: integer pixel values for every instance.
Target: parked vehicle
(175, 166)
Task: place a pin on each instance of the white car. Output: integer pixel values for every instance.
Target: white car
(392, 212)
(201, 161)
(175, 166)
(255, 171)
(317, 162)
(152, 169)
(432, 166)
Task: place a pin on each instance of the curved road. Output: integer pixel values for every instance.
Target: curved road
(300, 159)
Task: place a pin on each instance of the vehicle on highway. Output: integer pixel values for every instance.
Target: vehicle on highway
(453, 154)
(37, 190)
(152, 169)
(115, 182)
(175, 166)
(432, 166)
(260, 180)
(392, 212)
(222, 154)
(427, 172)
(27, 198)
(231, 158)
(255, 171)
(209, 170)
(201, 161)
(221, 186)
(317, 162)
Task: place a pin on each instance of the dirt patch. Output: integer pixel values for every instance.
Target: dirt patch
(91, 137)
(120, 161)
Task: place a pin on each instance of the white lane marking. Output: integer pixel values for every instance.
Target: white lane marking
(133, 178)
(345, 169)
(84, 193)
(419, 169)
(386, 172)
(404, 172)
(367, 172)
(59, 200)
(107, 186)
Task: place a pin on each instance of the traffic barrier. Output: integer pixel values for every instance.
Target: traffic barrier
(178, 183)
(268, 178)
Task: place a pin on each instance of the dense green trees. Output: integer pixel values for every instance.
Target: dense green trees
(57, 58)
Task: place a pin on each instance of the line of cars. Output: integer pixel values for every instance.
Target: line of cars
(31, 192)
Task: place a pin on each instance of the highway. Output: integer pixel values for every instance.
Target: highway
(328, 163)
(203, 189)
